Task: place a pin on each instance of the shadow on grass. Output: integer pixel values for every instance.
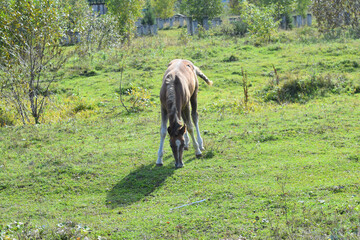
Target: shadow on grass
(138, 184)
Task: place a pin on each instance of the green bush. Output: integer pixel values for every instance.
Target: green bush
(225, 29)
(240, 28)
(260, 21)
(82, 106)
(355, 32)
(5, 118)
(149, 14)
(237, 28)
(202, 32)
(303, 89)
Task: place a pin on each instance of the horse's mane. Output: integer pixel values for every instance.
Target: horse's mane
(171, 100)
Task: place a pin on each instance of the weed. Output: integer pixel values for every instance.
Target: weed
(81, 105)
(139, 99)
(245, 86)
(354, 158)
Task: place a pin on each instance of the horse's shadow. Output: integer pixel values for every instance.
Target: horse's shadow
(138, 184)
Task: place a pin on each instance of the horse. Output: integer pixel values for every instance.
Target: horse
(178, 91)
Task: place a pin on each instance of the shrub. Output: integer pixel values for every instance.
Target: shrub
(240, 28)
(237, 28)
(225, 29)
(202, 33)
(149, 14)
(232, 58)
(355, 32)
(303, 89)
(5, 118)
(260, 21)
(81, 105)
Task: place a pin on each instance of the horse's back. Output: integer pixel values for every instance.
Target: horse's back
(180, 73)
(184, 69)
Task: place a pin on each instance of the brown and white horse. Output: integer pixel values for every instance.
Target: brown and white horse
(179, 89)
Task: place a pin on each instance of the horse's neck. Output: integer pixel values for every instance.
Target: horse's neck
(174, 105)
(174, 117)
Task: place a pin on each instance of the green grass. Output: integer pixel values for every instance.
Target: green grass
(269, 170)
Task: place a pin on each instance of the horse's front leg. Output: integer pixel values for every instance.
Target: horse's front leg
(187, 141)
(164, 119)
(195, 118)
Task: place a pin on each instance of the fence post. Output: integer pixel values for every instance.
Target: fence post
(181, 21)
(171, 22)
(298, 21)
(205, 23)
(195, 27)
(189, 23)
(283, 22)
(309, 19)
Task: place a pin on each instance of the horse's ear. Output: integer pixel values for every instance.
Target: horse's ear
(169, 130)
(183, 130)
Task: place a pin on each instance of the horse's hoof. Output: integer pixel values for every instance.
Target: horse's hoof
(179, 165)
(159, 164)
(198, 155)
(202, 149)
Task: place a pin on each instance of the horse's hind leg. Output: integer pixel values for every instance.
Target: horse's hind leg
(164, 119)
(195, 118)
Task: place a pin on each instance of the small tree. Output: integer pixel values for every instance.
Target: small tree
(127, 13)
(260, 21)
(149, 14)
(102, 32)
(75, 16)
(31, 55)
(199, 9)
(163, 8)
(235, 7)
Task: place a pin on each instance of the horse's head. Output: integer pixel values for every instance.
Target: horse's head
(177, 142)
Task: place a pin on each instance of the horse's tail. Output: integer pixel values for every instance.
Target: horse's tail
(202, 75)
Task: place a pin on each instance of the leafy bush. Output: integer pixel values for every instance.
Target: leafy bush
(202, 33)
(149, 14)
(5, 118)
(232, 58)
(225, 29)
(240, 28)
(237, 28)
(301, 90)
(260, 22)
(355, 32)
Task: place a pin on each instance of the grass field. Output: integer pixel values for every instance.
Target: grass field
(280, 169)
